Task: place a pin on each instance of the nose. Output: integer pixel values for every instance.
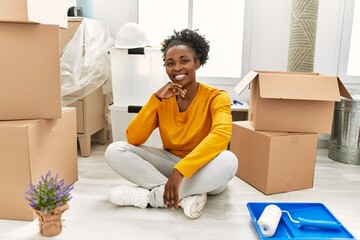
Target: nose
(177, 67)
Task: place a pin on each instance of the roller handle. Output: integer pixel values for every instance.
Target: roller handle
(303, 223)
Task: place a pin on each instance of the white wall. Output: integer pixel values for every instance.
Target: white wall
(115, 13)
(71, 3)
(328, 39)
(270, 28)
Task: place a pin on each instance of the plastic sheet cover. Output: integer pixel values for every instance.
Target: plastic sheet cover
(85, 62)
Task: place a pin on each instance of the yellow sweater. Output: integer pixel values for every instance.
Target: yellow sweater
(197, 135)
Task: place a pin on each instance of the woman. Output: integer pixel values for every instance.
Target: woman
(195, 124)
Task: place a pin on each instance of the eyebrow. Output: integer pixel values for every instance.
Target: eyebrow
(183, 56)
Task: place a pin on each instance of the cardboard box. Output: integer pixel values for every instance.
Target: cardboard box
(292, 102)
(30, 85)
(52, 12)
(274, 162)
(28, 150)
(67, 34)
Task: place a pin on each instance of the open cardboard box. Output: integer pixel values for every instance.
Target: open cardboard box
(30, 86)
(52, 12)
(292, 102)
(274, 162)
(28, 150)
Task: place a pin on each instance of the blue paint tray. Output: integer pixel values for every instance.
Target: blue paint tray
(289, 230)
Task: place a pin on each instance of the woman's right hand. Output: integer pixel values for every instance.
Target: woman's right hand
(170, 90)
(171, 191)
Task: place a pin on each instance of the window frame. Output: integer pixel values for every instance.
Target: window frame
(351, 82)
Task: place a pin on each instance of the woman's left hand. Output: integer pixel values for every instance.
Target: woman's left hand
(172, 187)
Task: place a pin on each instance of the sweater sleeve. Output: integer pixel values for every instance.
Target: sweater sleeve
(215, 142)
(141, 127)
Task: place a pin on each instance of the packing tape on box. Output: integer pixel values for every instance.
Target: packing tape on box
(269, 220)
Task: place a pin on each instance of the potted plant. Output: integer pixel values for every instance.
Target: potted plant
(49, 200)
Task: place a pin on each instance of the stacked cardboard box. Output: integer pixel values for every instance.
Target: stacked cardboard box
(52, 12)
(36, 133)
(276, 147)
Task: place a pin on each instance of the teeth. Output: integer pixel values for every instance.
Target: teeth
(179, 76)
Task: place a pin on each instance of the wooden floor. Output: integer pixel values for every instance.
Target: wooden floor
(92, 216)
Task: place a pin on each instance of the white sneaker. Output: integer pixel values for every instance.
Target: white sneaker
(193, 205)
(124, 195)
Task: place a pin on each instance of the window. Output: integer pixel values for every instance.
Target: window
(220, 21)
(159, 18)
(349, 61)
(353, 68)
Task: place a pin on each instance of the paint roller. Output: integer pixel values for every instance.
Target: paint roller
(270, 218)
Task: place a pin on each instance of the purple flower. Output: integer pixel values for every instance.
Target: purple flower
(33, 204)
(49, 193)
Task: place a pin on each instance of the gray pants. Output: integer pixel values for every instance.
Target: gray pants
(150, 167)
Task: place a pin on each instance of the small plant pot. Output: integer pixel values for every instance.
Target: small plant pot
(50, 224)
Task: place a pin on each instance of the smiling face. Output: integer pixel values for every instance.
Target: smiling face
(181, 64)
